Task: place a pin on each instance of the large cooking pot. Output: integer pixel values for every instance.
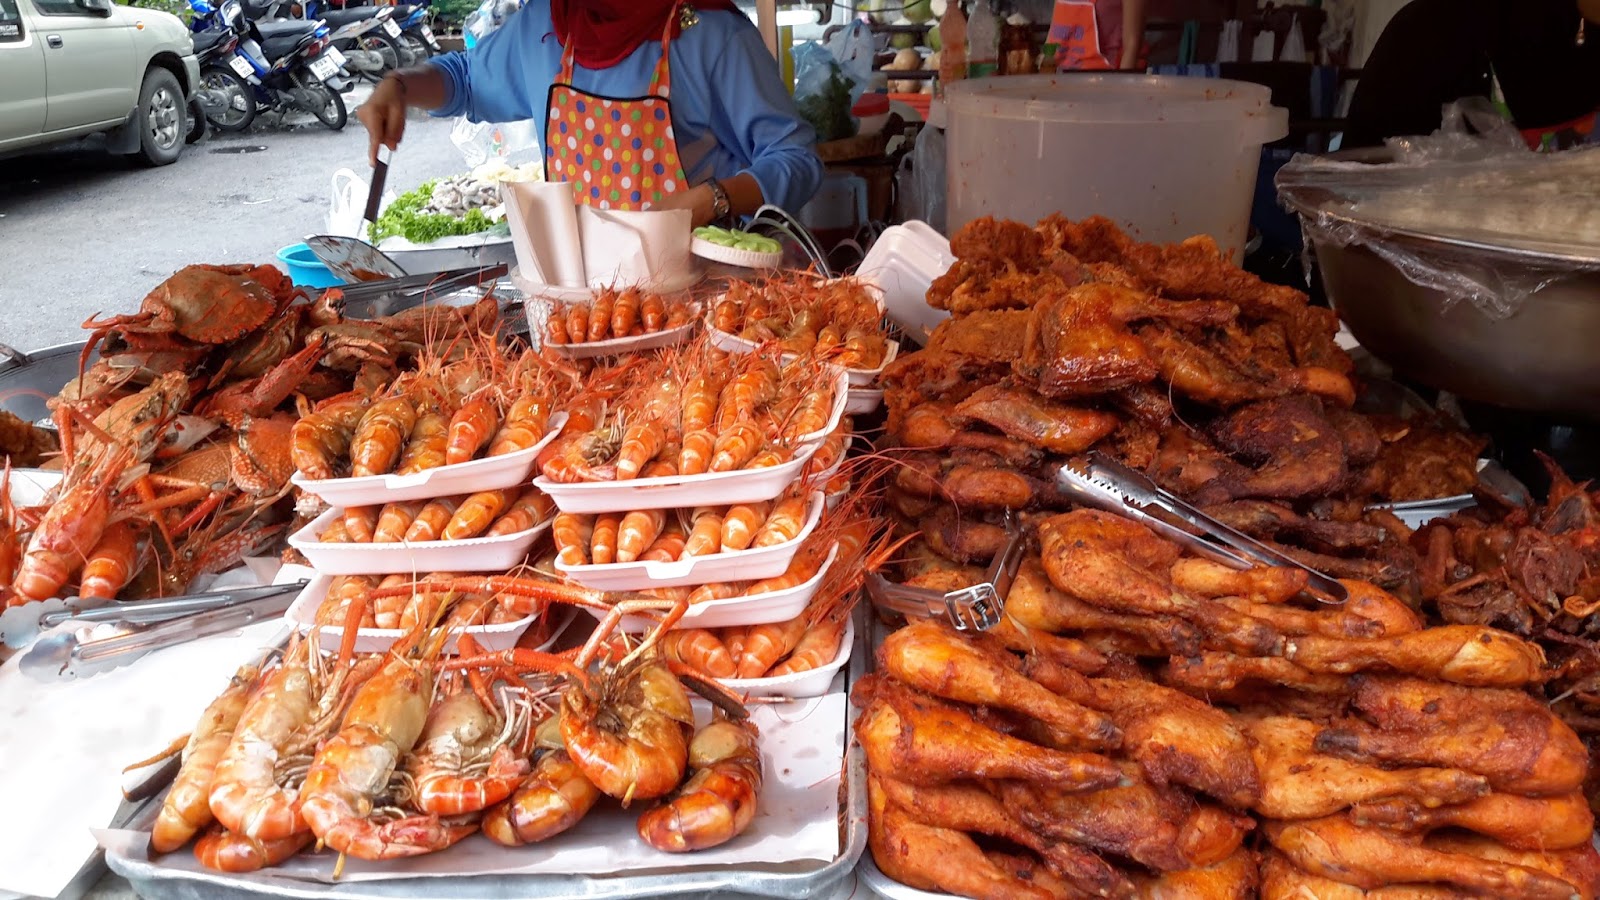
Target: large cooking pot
(1540, 358)
(27, 380)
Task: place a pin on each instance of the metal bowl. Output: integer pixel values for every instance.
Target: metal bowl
(1541, 358)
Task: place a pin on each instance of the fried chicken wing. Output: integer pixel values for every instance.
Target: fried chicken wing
(1036, 604)
(1299, 782)
(933, 657)
(988, 487)
(1523, 823)
(1578, 866)
(1262, 584)
(925, 741)
(1283, 880)
(1199, 372)
(1461, 654)
(1162, 828)
(968, 808)
(1234, 878)
(1124, 567)
(1025, 416)
(941, 859)
(1371, 857)
(1331, 622)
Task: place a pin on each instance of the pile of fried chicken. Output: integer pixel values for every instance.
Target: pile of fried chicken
(1147, 724)
(1068, 337)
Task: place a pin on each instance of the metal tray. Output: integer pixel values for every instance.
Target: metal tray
(27, 380)
(153, 881)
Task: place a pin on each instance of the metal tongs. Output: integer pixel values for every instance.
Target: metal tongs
(975, 608)
(1107, 484)
(107, 637)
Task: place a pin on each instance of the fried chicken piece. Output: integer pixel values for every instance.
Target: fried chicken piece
(1524, 823)
(918, 473)
(1189, 466)
(1371, 857)
(968, 808)
(1036, 603)
(1074, 346)
(1300, 782)
(1064, 651)
(1212, 672)
(1460, 654)
(1380, 572)
(1234, 878)
(1332, 622)
(1578, 866)
(1362, 445)
(908, 505)
(922, 740)
(1283, 880)
(933, 657)
(1262, 584)
(1507, 737)
(986, 286)
(975, 487)
(1146, 403)
(927, 426)
(1025, 416)
(1161, 828)
(1004, 240)
(1297, 451)
(1262, 519)
(962, 538)
(1199, 372)
(941, 859)
(1424, 460)
(1124, 567)
(993, 336)
(936, 375)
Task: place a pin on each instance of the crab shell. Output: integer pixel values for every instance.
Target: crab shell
(259, 457)
(214, 304)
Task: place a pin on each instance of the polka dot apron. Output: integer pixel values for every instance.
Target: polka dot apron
(618, 153)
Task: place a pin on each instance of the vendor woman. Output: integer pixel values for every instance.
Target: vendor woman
(1541, 57)
(646, 104)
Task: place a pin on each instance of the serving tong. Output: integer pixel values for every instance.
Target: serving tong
(1106, 484)
(975, 608)
(83, 649)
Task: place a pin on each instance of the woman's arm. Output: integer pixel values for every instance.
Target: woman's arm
(1132, 33)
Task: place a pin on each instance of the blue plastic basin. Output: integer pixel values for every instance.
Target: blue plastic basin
(305, 269)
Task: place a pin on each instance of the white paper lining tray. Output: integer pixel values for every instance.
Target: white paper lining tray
(710, 489)
(801, 684)
(737, 565)
(302, 616)
(487, 474)
(777, 606)
(480, 554)
(732, 343)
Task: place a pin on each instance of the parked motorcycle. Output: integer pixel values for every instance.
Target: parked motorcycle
(416, 30)
(370, 36)
(275, 64)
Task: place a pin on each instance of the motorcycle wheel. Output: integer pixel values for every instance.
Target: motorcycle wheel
(419, 49)
(333, 114)
(241, 109)
(386, 47)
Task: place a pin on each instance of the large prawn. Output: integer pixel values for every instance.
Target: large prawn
(719, 800)
(466, 759)
(186, 809)
(555, 797)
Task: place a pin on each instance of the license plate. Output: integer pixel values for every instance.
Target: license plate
(241, 67)
(427, 32)
(391, 28)
(324, 67)
(337, 57)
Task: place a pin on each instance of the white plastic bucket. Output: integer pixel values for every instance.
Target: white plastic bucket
(1165, 157)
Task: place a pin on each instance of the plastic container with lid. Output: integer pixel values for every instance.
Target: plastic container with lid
(1165, 157)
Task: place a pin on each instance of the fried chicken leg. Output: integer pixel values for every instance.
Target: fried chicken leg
(1298, 782)
(1370, 858)
(1212, 672)
(927, 742)
(1579, 866)
(1037, 604)
(1234, 878)
(1523, 823)
(1283, 880)
(1468, 655)
(1262, 584)
(933, 657)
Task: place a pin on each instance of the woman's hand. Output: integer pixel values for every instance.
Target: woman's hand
(384, 114)
(698, 200)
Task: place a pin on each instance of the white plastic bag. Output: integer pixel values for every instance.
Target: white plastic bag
(1265, 45)
(1294, 46)
(1228, 43)
(349, 204)
(511, 142)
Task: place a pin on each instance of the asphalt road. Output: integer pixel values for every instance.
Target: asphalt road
(84, 233)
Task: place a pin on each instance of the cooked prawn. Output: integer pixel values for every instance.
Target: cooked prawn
(381, 436)
(719, 800)
(395, 520)
(187, 808)
(471, 428)
(630, 733)
(432, 519)
(477, 513)
(637, 531)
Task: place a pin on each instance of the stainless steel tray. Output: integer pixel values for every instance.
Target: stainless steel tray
(154, 881)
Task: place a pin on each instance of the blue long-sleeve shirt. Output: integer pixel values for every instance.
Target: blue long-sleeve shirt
(730, 111)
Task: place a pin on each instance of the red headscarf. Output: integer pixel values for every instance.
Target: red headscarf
(603, 32)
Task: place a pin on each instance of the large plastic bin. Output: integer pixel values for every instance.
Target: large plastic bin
(1167, 158)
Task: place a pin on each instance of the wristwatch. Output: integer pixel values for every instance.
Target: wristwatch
(720, 207)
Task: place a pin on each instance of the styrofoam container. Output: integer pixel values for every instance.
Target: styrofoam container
(778, 606)
(302, 615)
(710, 489)
(733, 256)
(821, 478)
(738, 565)
(863, 401)
(480, 554)
(732, 343)
(487, 474)
(1165, 157)
(814, 683)
(903, 263)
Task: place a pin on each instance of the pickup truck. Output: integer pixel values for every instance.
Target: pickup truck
(71, 68)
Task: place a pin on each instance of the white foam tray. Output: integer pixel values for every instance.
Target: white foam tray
(820, 479)
(863, 400)
(710, 489)
(760, 609)
(814, 683)
(732, 343)
(732, 256)
(904, 262)
(480, 554)
(737, 565)
(302, 616)
(487, 474)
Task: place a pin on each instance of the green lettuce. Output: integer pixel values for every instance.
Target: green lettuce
(403, 218)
